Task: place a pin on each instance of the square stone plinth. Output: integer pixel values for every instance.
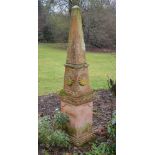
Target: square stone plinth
(81, 119)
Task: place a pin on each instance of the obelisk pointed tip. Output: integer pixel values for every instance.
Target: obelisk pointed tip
(75, 7)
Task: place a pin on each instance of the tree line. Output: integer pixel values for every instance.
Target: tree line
(98, 16)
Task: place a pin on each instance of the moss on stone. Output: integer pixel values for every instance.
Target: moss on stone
(62, 92)
(71, 130)
(85, 129)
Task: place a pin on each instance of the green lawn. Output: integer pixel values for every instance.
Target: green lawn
(51, 68)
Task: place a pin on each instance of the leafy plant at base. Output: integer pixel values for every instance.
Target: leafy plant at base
(59, 138)
(52, 136)
(60, 120)
(109, 147)
(44, 129)
(112, 127)
(97, 149)
(46, 153)
(112, 135)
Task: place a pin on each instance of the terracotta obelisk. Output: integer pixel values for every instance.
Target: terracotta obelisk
(76, 99)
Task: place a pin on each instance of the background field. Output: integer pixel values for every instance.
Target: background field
(51, 60)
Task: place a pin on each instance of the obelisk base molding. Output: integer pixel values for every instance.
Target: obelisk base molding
(77, 100)
(78, 141)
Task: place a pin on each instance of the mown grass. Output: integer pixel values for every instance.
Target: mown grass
(51, 60)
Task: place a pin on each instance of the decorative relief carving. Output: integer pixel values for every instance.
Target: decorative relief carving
(83, 79)
(78, 141)
(78, 100)
(80, 79)
(82, 82)
(70, 82)
(69, 78)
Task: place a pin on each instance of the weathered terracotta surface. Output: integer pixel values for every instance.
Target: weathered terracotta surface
(76, 80)
(76, 100)
(76, 45)
(80, 117)
(79, 81)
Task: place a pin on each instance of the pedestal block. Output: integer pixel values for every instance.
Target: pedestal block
(80, 126)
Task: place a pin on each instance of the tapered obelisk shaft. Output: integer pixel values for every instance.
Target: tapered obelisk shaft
(76, 45)
(76, 100)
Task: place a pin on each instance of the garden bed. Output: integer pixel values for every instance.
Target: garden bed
(104, 104)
